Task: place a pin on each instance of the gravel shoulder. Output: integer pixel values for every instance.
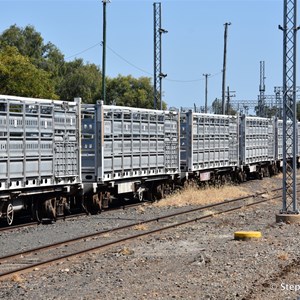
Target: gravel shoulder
(197, 261)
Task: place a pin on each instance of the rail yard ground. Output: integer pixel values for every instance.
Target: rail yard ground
(197, 261)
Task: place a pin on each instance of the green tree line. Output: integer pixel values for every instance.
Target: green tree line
(29, 67)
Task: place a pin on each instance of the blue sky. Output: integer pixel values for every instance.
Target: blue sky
(193, 45)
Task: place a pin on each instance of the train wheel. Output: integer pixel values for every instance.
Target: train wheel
(51, 209)
(97, 203)
(141, 196)
(44, 211)
(35, 211)
(149, 195)
(219, 180)
(106, 199)
(159, 192)
(9, 214)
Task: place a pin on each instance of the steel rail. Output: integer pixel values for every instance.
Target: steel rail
(73, 216)
(29, 224)
(49, 261)
(157, 219)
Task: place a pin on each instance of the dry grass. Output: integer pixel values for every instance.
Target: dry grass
(17, 278)
(140, 209)
(279, 175)
(141, 227)
(267, 185)
(192, 195)
(283, 256)
(126, 251)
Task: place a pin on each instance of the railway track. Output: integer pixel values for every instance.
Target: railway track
(35, 223)
(73, 216)
(46, 255)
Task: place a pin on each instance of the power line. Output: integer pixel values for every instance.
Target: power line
(138, 68)
(167, 79)
(193, 80)
(83, 51)
(128, 62)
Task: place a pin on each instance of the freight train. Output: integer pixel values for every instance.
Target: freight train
(56, 156)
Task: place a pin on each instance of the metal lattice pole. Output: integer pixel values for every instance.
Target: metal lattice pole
(289, 203)
(158, 75)
(261, 102)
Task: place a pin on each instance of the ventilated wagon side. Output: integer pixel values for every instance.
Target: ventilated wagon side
(209, 146)
(39, 156)
(128, 152)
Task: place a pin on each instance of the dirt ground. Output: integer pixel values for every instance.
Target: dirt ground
(196, 261)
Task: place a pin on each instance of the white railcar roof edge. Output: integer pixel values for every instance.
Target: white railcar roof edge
(30, 99)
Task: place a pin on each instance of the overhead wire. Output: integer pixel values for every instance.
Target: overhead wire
(128, 62)
(138, 68)
(167, 79)
(83, 51)
(192, 80)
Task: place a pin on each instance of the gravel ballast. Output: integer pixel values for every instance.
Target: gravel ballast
(197, 261)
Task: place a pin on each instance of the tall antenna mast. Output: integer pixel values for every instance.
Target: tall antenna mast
(289, 210)
(158, 75)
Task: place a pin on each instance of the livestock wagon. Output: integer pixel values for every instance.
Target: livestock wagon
(257, 145)
(209, 145)
(128, 151)
(39, 156)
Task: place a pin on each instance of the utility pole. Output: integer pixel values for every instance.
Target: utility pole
(206, 76)
(224, 67)
(104, 52)
(289, 212)
(229, 96)
(262, 88)
(158, 75)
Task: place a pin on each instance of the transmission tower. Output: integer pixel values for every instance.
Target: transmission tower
(262, 89)
(158, 75)
(289, 203)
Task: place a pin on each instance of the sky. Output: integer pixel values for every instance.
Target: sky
(192, 47)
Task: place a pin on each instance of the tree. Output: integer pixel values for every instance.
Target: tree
(18, 76)
(27, 41)
(30, 43)
(217, 108)
(129, 91)
(65, 80)
(80, 80)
